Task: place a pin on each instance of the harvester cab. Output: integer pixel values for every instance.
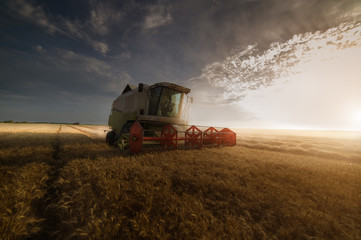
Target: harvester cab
(156, 116)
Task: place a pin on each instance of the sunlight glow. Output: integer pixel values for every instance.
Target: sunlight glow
(310, 81)
(357, 117)
(252, 69)
(323, 95)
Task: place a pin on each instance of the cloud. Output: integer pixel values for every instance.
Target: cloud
(102, 16)
(100, 46)
(99, 18)
(92, 71)
(158, 15)
(34, 14)
(98, 22)
(40, 49)
(76, 29)
(74, 61)
(252, 69)
(121, 57)
(73, 28)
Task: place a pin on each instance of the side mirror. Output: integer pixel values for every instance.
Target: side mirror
(140, 87)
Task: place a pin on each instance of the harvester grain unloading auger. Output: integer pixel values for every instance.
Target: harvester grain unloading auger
(155, 117)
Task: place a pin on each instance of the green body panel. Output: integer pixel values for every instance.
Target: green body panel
(117, 119)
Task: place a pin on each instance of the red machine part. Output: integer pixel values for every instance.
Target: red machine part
(193, 137)
(169, 135)
(211, 136)
(228, 137)
(136, 138)
(169, 139)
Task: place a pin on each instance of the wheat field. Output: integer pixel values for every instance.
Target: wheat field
(64, 182)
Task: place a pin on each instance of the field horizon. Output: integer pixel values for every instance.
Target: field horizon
(64, 182)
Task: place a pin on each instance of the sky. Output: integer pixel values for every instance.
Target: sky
(249, 63)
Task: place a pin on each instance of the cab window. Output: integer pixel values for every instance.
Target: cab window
(154, 100)
(164, 102)
(169, 103)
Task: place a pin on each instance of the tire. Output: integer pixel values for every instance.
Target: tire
(126, 127)
(110, 138)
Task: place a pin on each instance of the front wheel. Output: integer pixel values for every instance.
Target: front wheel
(110, 138)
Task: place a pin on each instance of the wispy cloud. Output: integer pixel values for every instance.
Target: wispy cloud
(100, 46)
(76, 29)
(34, 14)
(100, 18)
(251, 69)
(40, 49)
(157, 16)
(97, 73)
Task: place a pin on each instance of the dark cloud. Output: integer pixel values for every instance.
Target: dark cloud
(158, 15)
(92, 28)
(76, 50)
(23, 9)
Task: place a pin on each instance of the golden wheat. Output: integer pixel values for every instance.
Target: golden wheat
(211, 194)
(272, 185)
(21, 187)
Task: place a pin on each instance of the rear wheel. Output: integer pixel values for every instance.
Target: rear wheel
(110, 138)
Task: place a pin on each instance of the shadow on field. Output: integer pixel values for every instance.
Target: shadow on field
(55, 150)
(42, 206)
(66, 147)
(20, 149)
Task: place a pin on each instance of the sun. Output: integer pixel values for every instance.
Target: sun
(357, 117)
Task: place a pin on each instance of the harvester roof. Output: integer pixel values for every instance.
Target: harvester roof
(173, 86)
(128, 88)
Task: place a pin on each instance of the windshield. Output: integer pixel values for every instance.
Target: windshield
(164, 102)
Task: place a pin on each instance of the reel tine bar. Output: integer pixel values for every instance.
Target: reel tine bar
(228, 137)
(169, 138)
(169, 135)
(211, 136)
(193, 137)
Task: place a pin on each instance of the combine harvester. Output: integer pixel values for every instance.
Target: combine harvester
(156, 117)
